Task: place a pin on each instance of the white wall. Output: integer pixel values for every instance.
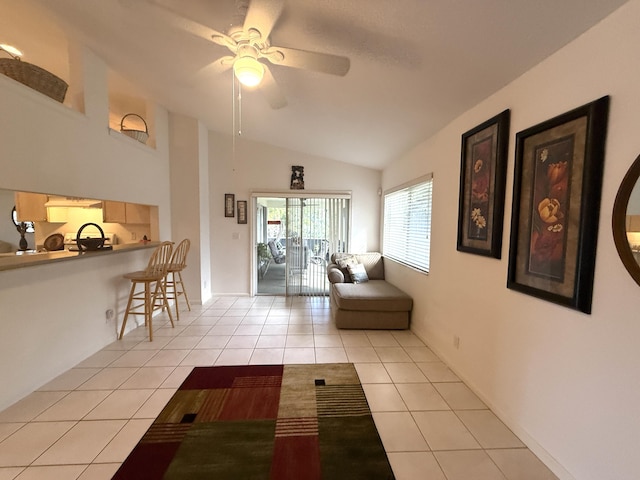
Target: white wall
(53, 316)
(204, 244)
(190, 200)
(566, 382)
(49, 148)
(258, 167)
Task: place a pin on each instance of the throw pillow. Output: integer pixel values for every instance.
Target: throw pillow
(358, 273)
(344, 262)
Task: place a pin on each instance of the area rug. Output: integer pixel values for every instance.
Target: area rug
(276, 422)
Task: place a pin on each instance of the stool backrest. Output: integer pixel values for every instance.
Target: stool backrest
(160, 259)
(179, 257)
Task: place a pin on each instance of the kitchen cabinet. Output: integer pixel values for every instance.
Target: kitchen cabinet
(113, 212)
(137, 213)
(122, 212)
(633, 223)
(57, 215)
(30, 207)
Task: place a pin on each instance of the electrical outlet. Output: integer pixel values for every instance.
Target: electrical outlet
(109, 314)
(134, 236)
(456, 342)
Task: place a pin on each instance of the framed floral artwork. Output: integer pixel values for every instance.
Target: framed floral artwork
(483, 168)
(556, 206)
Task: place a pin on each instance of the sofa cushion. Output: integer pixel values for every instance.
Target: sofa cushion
(373, 264)
(375, 295)
(372, 261)
(343, 261)
(357, 273)
(346, 260)
(335, 274)
(369, 320)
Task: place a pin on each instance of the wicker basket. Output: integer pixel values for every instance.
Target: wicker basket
(138, 135)
(35, 77)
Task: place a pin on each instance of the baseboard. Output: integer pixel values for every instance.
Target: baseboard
(213, 295)
(531, 443)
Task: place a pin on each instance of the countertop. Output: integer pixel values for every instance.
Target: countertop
(12, 261)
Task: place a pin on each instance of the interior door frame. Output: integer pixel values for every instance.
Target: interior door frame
(346, 194)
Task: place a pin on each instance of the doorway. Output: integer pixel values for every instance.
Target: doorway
(295, 236)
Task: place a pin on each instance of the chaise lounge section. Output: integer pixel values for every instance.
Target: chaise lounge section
(372, 303)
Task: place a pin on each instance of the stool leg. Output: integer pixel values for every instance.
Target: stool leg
(165, 302)
(184, 290)
(160, 289)
(126, 312)
(147, 309)
(172, 284)
(165, 281)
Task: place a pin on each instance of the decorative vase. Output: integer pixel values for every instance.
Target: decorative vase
(23, 243)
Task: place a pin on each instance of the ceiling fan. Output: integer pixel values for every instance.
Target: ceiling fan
(250, 46)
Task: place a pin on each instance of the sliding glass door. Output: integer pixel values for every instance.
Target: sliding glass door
(295, 236)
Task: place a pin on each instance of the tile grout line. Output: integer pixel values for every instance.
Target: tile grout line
(403, 344)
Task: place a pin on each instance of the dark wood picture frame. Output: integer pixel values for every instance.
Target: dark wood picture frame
(242, 211)
(483, 173)
(297, 177)
(229, 205)
(556, 206)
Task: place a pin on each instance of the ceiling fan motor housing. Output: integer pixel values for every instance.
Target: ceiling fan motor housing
(246, 67)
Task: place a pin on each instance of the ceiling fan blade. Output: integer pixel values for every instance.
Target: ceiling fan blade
(220, 65)
(271, 90)
(176, 20)
(262, 15)
(204, 75)
(304, 59)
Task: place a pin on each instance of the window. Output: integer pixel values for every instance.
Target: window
(407, 223)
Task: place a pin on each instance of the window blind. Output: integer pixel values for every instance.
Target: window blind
(407, 224)
(321, 226)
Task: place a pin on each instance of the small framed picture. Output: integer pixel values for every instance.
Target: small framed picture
(229, 205)
(242, 211)
(297, 177)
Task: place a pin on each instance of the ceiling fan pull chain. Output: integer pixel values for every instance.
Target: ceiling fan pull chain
(233, 120)
(239, 109)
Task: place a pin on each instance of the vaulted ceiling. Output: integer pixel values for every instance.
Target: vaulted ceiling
(414, 64)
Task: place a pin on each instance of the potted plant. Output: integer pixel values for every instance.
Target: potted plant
(264, 258)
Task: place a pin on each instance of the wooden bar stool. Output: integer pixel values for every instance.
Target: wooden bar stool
(152, 296)
(175, 286)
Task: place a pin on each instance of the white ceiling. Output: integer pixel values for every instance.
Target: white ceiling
(415, 64)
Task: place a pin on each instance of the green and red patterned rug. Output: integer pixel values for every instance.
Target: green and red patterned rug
(277, 422)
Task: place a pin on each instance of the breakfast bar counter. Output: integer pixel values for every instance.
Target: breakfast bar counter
(15, 260)
(61, 310)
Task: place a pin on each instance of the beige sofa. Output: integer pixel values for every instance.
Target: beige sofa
(374, 304)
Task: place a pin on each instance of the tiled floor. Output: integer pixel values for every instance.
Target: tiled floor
(84, 423)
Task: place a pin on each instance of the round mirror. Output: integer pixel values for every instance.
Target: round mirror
(626, 221)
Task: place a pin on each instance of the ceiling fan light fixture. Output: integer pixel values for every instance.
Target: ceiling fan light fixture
(248, 71)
